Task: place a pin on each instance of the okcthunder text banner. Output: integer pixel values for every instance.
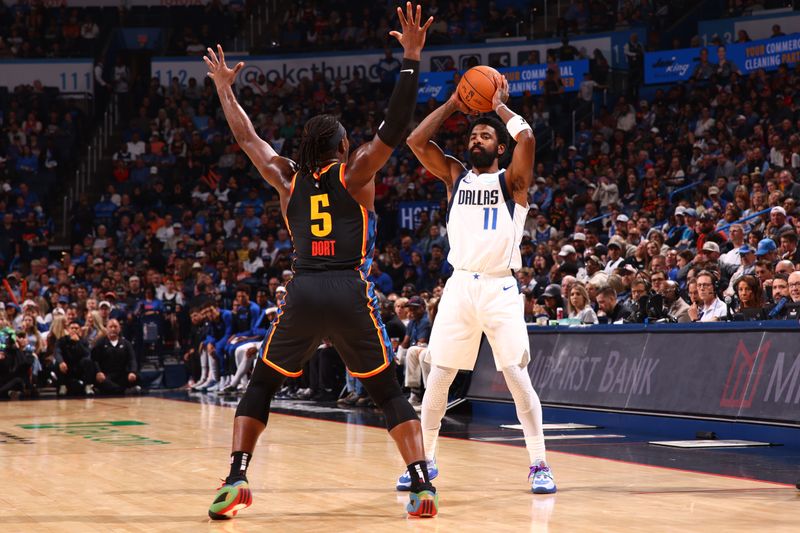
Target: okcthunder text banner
(526, 79)
(722, 370)
(678, 65)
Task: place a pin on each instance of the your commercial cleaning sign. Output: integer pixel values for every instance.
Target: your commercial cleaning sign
(672, 66)
(521, 80)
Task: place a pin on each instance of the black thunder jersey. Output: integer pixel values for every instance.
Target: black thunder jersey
(330, 230)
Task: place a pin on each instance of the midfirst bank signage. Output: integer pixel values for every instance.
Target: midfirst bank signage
(752, 375)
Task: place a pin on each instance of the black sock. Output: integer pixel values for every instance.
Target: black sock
(419, 477)
(239, 463)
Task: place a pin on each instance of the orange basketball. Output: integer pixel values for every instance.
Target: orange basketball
(477, 87)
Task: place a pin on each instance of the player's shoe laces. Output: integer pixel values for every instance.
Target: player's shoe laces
(404, 481)
(541, 479)
(230, 499)
(423, 504)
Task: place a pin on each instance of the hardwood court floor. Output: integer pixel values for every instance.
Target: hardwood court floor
(65, 467)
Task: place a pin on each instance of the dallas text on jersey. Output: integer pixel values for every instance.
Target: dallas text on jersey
(467, 197)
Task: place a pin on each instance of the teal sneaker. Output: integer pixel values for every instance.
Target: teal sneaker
(541, 479)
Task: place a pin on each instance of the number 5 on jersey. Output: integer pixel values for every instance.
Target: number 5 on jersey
(321, 222)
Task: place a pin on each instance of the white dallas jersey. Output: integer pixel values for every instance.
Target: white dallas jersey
(484, 224)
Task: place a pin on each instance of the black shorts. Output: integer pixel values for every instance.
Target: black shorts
(340, 305)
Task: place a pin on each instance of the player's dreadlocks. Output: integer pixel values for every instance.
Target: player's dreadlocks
(321, 136)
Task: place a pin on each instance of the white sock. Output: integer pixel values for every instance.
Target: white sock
(203, 367)
(529, 410)
(242, 364)
(213, 371)
(434, 405)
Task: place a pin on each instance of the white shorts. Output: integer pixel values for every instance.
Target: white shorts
(471, 306)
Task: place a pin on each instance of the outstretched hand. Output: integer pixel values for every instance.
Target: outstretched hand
(218, 70)
(412, 39)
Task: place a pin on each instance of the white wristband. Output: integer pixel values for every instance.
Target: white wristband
(516, 125)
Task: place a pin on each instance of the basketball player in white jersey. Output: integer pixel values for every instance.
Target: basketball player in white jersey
(488, 206)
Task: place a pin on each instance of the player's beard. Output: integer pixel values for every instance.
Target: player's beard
(481, 158)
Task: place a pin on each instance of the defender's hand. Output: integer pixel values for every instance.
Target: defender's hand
(218, 70)
(413, 37)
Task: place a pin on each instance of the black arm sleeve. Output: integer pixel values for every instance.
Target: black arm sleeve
(401, 105)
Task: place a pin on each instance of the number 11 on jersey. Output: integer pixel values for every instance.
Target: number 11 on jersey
(486, 211)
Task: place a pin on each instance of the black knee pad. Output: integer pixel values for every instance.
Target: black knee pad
(385, 391)
(258, 396)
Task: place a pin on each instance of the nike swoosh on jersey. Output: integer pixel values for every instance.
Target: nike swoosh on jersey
(409, 70)
(506, 288)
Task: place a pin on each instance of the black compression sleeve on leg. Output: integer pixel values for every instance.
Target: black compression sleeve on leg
(401, 105)
(385, 391)
(258, 396)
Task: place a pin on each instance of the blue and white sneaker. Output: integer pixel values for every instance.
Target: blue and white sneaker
(541, 479)
(404, 481)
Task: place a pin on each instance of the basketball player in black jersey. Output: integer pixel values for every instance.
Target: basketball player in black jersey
(328, 204)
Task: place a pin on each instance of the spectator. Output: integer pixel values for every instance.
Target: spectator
(793, 307)
(710, 308)
(747, 266)
(12, 368)
(578, 305)
(115, 360)
(749, 293)
(767, 250)
(777, 224)
(418, 332)
(608, 310)
(548, 304)
(779, 297)
(634, 54)
(75, 367)
(381, 280)
(675, 306)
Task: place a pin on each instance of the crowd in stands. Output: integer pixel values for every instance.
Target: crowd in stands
(40, 135)
(678, 208)
(31, 29)
(741, 8)
(361, 24)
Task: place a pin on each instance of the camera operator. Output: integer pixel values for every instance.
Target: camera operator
(637, 303)
(648, 305)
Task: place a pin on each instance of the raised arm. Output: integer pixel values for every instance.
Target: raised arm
(371, 156)
(276, 170)
(520, 172)
(444, 167)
